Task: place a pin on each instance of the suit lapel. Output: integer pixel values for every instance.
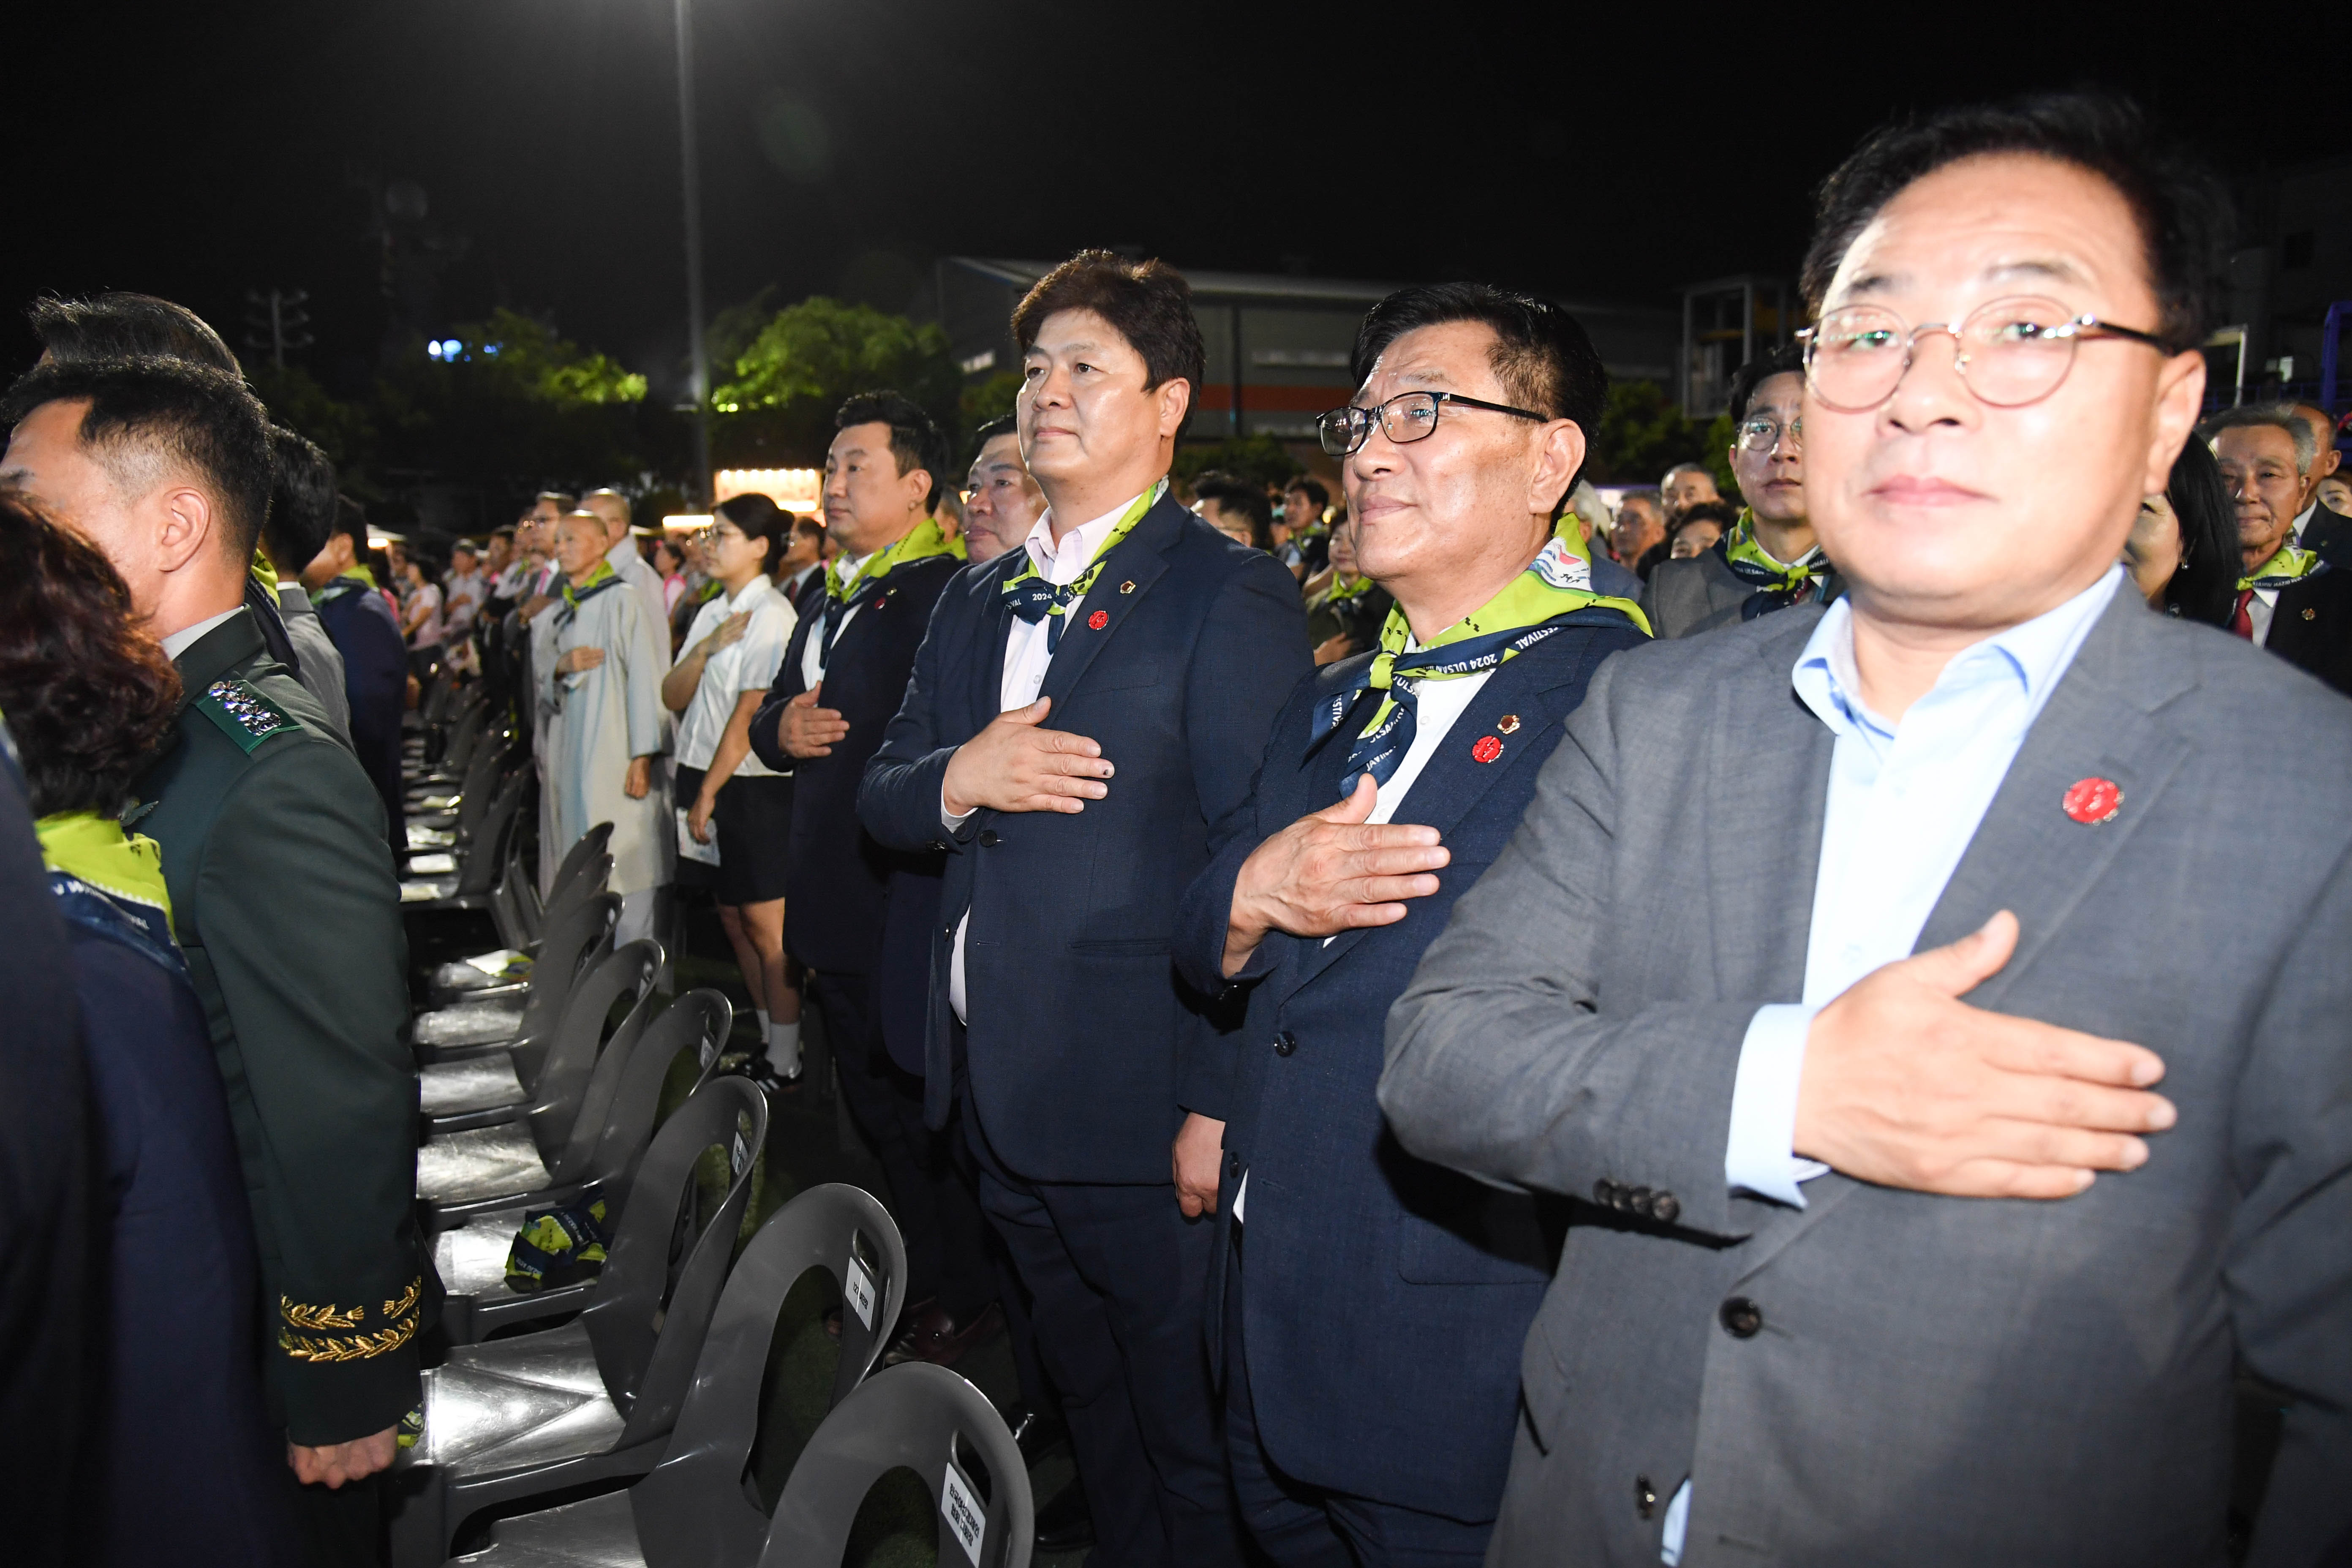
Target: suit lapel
(1767, 776)
(1531, 688)
(2028, 856)
(995, 628)
(1139, 559)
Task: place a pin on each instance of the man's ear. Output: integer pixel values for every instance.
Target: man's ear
(184, 526)
(2180, 398)
(1175, 402)
(918, 484)
(1559, 455)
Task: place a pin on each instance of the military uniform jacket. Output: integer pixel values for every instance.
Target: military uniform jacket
(285, 905)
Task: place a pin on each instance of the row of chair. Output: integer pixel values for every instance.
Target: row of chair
(542, 1067)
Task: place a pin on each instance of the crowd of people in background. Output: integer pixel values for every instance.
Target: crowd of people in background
(1448, 1018)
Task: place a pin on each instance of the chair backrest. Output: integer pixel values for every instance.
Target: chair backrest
(514, 899)
(480, 870)
(573, 940)
(475, 789)
(465, 734)
(558, 1074)
(935, 1424)
(647, 1321)
(616, 1116)
(585, 849)
(693, 1509)
(585, 884)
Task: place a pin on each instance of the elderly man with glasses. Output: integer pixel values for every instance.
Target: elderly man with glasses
(1887, 1250)
(1768, 559)
(1368, 1332)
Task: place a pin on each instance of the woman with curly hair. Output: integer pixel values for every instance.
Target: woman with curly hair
(179, 1449)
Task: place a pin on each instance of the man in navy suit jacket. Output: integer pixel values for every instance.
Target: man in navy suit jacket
(1371, 1358)
(841, 678)
(1097, 1081)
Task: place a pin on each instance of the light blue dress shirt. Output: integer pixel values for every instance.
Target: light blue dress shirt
(1903, 802)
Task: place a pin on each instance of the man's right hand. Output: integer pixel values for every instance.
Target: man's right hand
(1014, 765)
(1908, 1086)
(807, 729)
(1331, 871)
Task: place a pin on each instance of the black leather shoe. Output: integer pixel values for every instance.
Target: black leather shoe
(1037, 1432)
(929, 1335)
(1066, 1524)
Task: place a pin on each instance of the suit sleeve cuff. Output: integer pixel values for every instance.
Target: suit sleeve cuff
(1760, 1155)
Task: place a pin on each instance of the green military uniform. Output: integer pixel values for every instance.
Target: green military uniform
(287, 906)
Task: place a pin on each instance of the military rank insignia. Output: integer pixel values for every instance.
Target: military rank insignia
(243, 714)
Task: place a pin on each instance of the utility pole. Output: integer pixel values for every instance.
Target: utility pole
(275, 321)
(698, 360)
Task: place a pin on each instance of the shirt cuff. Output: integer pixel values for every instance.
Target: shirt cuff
(1759, 1154)
(951, 820)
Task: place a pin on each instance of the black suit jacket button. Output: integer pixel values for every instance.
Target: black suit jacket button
(988, 839)
(1604, 1192)
(1285, 1043)
(1645, 1496)
(1665, 1206)
(1741, 1317)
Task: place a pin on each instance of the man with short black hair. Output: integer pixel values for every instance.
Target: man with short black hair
(1003, 502)
(844, 675)
(126, 326)
(375, 658)
(1887, 1251)
(1766, 560)
(1093, 1081)
(1308, 550)
(2290, 601)
(1392, 778)
(1235, 507)
(165, 467)
(302, 509)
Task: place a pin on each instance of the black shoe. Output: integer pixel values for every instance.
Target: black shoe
(1066, 1524)
(1037, 1432)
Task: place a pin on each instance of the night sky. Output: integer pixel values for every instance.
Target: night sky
(196, 151)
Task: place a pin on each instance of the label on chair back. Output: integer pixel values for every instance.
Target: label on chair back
(962, 1512)
(737, 1154)
(857, 1289)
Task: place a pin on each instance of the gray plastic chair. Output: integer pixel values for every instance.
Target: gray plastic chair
(597, 1398)
(582, 877)
(537, 1158)
(694, 1508)
(472, 1258)
(463, 877)
(574, 942)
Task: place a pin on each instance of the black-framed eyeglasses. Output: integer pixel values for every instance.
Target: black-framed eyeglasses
(1763, 433)
(2011, 352)
(1407, 417)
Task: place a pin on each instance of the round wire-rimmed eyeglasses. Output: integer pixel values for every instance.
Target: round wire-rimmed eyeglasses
(2009, 353)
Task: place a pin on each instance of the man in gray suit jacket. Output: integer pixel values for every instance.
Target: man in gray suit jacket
(1885, 1251)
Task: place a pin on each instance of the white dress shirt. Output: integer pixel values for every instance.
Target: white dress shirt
(748, 664)
(1438, 706)
(1905, 800)
(1028, 656)
(813, 651)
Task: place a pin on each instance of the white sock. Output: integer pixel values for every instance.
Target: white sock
(785, 1047)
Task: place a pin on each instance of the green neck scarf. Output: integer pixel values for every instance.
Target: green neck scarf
(2293, 564)
(1033, 599)
(1754, 565)
(1347, 589)
(587, 586)
(1559, 581)
(96, 850)
(921, 542)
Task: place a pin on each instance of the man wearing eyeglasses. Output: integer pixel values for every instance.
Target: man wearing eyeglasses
(1085, 710)
(1889, 1251)
(1367, 1327)
(1767, 561)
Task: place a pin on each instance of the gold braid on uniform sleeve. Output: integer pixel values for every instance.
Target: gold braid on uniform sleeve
(319, 1342)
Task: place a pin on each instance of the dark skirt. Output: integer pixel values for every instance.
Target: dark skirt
(685, 784)
(754, 819)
